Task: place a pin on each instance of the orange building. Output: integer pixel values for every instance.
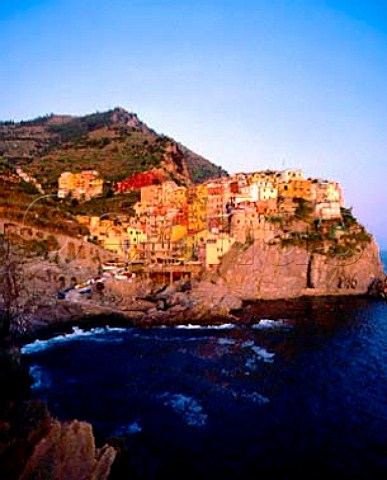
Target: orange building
(81, 186)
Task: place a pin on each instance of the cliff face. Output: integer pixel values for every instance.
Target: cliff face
(272, 271)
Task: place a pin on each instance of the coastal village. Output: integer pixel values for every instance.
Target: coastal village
(196, 226)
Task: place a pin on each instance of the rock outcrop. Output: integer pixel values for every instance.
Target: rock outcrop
(272, 271)
(68, 452)
(33, 445)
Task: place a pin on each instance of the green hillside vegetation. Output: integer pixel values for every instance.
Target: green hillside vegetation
(116, 143)
(22, 203)
(117, 204)
(343, 237)
(115, 153)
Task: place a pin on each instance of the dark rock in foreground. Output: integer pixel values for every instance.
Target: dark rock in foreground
(33, 445)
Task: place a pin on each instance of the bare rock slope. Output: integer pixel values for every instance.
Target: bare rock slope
(68, 451)
(271, 271)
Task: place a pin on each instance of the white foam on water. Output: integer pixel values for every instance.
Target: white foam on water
(255, 397)
(251, 364)
(187, 407)
(40, 345)
(39, 377)
(263, 354)
(144, 336)
(224, 326)
(260, 354)
(190, 326)
(268, 324)
(36, 346)
(130, 429)
(226, 341)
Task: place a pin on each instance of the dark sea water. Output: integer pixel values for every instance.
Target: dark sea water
(298, 391)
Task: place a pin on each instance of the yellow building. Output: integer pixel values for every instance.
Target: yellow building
(207, 247)
(265, 177)
(178, 232)
(326, 191)
(216, 247)
(268, 192)
(335, 193)
(133, 241)
(81, 186)
(211, 248)
(155, 195)
(112, 240)
(135, 236)
(289, 175)
(178, 197)
(197, 208)
(297, 188)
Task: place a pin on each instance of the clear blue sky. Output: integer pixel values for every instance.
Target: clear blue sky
(249, 84)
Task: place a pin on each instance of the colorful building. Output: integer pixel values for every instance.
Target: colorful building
(81, 186)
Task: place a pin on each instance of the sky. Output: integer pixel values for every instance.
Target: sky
(249, 84)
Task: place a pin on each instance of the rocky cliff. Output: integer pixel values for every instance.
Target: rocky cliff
(273, 271)
(67, 450)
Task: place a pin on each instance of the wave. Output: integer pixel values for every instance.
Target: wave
(187, 407)
(130, 429)
(224, 326)
(173, 338)
(40, 377)
(226, 341)
(267, 323)
(260, 352)
(254, 397)
(77, 333)
(263, 354)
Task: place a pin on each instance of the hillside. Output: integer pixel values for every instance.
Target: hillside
(116, 143)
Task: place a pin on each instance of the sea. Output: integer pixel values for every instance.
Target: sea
(294, 389)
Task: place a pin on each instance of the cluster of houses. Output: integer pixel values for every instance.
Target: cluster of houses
(82, 186)
(175, 224)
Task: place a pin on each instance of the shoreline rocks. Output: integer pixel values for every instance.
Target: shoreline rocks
(35, 445)
(258, 272)
(67, 450)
